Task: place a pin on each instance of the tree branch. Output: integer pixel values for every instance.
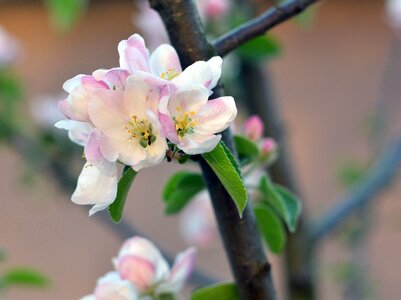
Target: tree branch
(28, 148)
(241, 240)
(259, 25)
(377, 178)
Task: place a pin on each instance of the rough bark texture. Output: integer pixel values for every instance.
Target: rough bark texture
(241, 239)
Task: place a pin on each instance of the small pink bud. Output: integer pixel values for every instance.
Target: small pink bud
(216, 8)
(253, 127)
(269, 146)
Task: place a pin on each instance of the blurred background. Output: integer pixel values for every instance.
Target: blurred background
(334, 74)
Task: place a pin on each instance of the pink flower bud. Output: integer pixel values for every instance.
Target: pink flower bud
(253, 127)
(269, 146)
(216, 8)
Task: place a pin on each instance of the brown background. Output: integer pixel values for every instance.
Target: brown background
(328, 80)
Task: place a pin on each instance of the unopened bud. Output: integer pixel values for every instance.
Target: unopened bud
(253, 127)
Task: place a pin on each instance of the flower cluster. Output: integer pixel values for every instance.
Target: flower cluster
(143, 274)
(134, 113)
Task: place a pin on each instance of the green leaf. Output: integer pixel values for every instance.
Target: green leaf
(292, 204)
(261, 47)
(227, 170)
(247, 149)
(220, 291)
(283, 202)
(64, 13)
(117, 207)
(180, 189)
(270, 227)
(23, 277)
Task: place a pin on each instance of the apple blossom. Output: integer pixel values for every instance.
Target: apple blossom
(213, 9)
(141, 263)
(191, 122)
(163, 66)
(128, 123)
(253, 127)
(113, 287)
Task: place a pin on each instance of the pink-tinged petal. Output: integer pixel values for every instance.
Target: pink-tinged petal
(134, 55)
(113, 287)
(199, 73)
(94, 155)
(114, 78)
(95, 188)
(181, 269)
(190, 98)
(164, 62)
(145, 249)
(137, 270)
(168, 128)
(197, 144)
(254, 127)
(78, 104)
(215, 64)
(155, 154)
(137, 96)
(65, 108)
(109, 114)
(90, 82)
(78, 132)
(216, 115)
(109, 148)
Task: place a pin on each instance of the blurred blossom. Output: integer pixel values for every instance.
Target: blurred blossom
(197, 224)
(213, 9)
(151, 25)
(254, 127)
(9, 48)
(393, 10)
(45, 111)
(269, 145)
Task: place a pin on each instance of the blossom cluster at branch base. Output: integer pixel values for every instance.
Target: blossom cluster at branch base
(134, 113)
(141, 273)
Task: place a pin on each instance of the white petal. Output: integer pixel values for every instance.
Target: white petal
(190, 98)
(95, 188)
(78, 132)
(197, 144)
(199, 73)
(112, 287)
(216, 115)
(164, 59)
(134, 55)
(215, 64)
(181, 269)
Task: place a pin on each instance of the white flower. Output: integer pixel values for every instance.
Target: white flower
(191, 122)
(393, 10)
(128, 122)
(164, 67)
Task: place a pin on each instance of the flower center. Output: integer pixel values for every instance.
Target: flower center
(170, 74)
(185, 123)
(141, 129)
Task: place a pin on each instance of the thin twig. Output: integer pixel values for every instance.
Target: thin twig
(379, 177)
(259, 25)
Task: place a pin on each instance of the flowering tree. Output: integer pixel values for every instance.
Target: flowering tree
(154, 106)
